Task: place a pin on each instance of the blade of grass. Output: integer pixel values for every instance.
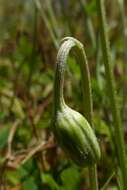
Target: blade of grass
(121, 5)
(104, 187)
(119, 140)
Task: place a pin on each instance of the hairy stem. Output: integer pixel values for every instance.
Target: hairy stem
(119, 140)
(68, 45)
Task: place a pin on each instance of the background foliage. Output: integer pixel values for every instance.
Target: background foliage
(29, 38)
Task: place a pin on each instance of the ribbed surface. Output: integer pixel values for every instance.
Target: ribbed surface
(76, 137)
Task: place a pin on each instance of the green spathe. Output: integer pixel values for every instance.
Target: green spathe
(76, 137)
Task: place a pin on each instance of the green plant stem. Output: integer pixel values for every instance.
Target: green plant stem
(119, 140)
(123, 30)
(108, 180)
(124, 37)
(68, 45)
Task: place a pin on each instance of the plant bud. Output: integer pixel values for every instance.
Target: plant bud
(76, 137)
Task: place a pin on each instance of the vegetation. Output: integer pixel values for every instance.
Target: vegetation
(36, 150)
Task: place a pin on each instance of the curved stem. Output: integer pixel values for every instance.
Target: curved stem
(59, 76)
(69, 44)
(119, 140)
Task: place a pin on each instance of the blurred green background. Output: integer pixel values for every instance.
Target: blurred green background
(30, 34)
